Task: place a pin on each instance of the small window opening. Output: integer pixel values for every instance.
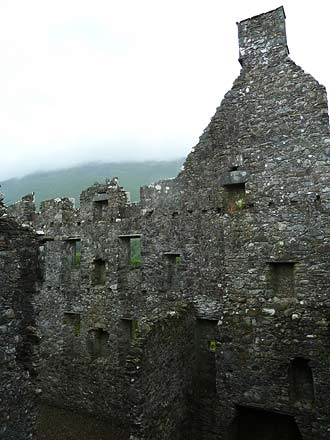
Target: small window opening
(206, 331)
(173, 263)
(76, 252)
(234, 197)
(100, 207)
(99, 273)
(282, 278)
(135, 252)
(97, 343)
(72, 320)
(233, 168)
(131, 250)
(72, 250)
(301, 381)
(130, 327)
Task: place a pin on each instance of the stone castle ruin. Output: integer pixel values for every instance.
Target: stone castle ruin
(201, 312)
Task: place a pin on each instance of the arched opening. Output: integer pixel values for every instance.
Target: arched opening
(256, 424)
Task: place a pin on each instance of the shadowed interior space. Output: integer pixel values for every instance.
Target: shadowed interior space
(255, 424)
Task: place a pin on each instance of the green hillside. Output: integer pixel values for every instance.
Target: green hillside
(71, 181)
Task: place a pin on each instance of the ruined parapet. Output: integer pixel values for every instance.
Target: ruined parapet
(2, 205)
(18, 333)
(162, 193)
(262, 39)
(104, 202)
(24, 211)
(56, 212)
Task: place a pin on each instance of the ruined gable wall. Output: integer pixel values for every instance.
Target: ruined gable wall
(273, 124)
(271, 134)
(270, 138)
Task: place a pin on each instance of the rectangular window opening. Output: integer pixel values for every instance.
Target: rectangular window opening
(100, 209)
(234, 197)
(301, 381)
(130, 327)
(98, 343)
(73, 251)
(72, 320)
(173, 263)
(206, 332)
(131, 250)
(99, 273)
(282, 278)
(76, 252)
(135, 252)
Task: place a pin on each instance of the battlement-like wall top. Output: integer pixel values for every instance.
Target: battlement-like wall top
(262, 39)
(104, 191)
(59, 203)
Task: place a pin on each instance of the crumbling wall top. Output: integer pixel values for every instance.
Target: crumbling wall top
(58, 210)
(24, 210)
(110, 191)
(157, 192)
(103, 201)
(57, 203)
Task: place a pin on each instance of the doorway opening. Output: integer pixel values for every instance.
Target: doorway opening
(257, 424)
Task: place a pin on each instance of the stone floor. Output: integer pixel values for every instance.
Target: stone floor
(58, 424)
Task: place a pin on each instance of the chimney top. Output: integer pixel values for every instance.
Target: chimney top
(262, 38)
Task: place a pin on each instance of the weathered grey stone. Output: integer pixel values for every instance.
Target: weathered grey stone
(18, 353)
(221, 328)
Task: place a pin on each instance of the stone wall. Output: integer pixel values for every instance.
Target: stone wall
(241, 235)
(81, 309)
(24, 210)
(18, 334)
(277, 314)
(159, 367)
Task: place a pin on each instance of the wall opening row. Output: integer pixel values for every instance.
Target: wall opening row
(98, 338)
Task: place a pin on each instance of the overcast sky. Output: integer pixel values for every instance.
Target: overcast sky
(111, 80)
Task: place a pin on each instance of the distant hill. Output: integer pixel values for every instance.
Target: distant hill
(70, 182)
